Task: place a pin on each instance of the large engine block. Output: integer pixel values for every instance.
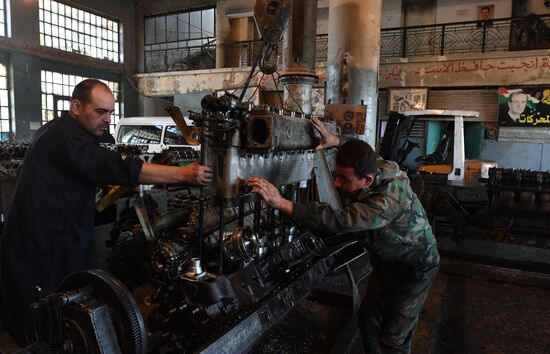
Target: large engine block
(215, 266)
(520, 201)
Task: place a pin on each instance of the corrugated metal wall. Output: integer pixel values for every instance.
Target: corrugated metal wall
(484, 101)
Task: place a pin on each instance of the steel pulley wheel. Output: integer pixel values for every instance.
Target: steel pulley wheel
(127, 319)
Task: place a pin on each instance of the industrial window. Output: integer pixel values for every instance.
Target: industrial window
(57, 89)
(4, 18)
(68, 28)
(180, 41)
(5, 121)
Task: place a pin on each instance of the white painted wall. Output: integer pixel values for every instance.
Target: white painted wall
(391, 14)
(467, 10)
(418, 12)
(322, 20)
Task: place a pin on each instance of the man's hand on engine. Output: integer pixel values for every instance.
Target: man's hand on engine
(270, 194)
(327, 138)
(197, 173)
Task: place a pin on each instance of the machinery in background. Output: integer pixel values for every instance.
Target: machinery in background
(478, 212)
(519, 202)
(435, 163)
(396, 145)
(11, 158)
(12, 154)
(503, 222)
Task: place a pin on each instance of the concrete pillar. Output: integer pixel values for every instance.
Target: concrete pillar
(239, 33)
(353, 56)
(223, 31)
(299, 56)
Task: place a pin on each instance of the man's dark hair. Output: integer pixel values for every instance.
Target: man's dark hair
(83, 90)
(520, 92)
(485, 8)
(359, 155)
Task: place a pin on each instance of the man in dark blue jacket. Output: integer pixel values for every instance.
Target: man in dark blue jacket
(49, 229)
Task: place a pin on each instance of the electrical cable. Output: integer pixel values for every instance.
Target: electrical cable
(277, 88)
(240, 87)
(257, 87)
(251, 75)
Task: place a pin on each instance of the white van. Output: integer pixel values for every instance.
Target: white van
(159, 133)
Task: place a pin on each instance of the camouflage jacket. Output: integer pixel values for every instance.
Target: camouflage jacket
(389, 216)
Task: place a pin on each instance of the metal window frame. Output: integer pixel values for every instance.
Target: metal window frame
(155, 46)
(101, 43)
(11, 130)
(7, 23)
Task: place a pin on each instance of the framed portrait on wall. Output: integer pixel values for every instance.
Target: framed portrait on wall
(527, 107)
(485, 12)
(485, 15)
(407, 99)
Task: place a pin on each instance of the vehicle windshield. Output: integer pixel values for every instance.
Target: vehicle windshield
(173, 136)
(140, 134)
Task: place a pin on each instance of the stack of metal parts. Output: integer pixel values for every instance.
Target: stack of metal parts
(11, 158)
(520, 203)
(504, 223)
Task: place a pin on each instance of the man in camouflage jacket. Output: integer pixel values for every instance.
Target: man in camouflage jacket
(395, 230)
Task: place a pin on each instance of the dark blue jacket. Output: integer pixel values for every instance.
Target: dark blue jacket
(49, 228)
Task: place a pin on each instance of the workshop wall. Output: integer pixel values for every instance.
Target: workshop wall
(517, 155)
(459, 74)
(468, 10)
(26, 58)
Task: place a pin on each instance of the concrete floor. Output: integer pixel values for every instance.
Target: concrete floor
(462, 315)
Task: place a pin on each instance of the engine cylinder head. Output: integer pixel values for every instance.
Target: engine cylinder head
(168, 258)
(243, 244)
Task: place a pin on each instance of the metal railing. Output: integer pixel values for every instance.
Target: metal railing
(242, 54)
(522, 33)
(171, 57)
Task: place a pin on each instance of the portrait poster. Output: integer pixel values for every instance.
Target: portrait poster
(485, 15)
(407, 99)
(524, 107)
(485, 12)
